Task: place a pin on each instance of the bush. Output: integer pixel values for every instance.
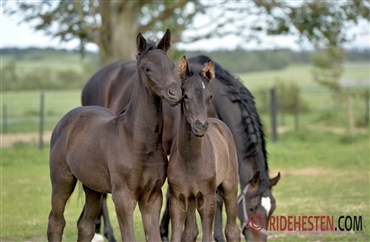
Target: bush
(287, 95)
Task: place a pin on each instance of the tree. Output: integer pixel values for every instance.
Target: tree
(113, 25)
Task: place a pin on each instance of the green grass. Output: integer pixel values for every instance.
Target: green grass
(320, 176)
(29, 62)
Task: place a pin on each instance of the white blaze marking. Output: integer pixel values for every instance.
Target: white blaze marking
(203, 85)
(266, 204)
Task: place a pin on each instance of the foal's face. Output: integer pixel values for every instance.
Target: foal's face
(157, 70)
(196, 95)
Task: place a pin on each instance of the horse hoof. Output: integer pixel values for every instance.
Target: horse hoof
(98, 238)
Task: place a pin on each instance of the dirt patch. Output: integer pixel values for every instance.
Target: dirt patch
(338, 130)
(8, 140)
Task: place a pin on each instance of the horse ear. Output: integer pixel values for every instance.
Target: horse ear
(255, 181)
(140, 44)
(183, 68)
(165, 42)
(209, 70)
(275, 180)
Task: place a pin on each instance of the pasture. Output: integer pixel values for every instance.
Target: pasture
(324, 172)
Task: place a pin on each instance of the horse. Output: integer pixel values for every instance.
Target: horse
(119, 154)
(203, 160)
(232, 103)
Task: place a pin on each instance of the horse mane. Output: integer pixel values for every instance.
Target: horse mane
(250, 125)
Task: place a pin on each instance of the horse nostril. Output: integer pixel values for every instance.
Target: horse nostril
(171, 93)
(205, 125)
(199, 125)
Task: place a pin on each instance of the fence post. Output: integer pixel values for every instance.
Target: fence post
(367, 105)
(296, 112)
(41, 142)
(273, 115)
(281, 107)
(5, 119)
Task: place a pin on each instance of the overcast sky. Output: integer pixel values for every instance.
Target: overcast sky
(21, 35)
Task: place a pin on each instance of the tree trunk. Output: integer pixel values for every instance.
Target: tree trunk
(117, 36)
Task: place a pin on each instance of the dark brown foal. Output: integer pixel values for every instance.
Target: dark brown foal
(203, 160)
(122, 155)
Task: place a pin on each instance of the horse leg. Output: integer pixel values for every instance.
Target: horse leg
(108, 230)
(62, 188)
(229, 193)
(191, 228)
(165, 219)
(218, 234)
(125, 202)
(98, 237)
(177, 212)
(86, 222)
(150, 212)
(98, 219)
(207, 214)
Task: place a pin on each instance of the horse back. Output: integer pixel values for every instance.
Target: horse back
(222, 142)
(111, 86)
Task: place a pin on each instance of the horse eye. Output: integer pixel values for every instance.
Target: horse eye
(186, 96)
(210, 97)
(146, 69)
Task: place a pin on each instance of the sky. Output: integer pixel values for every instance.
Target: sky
(22, 36)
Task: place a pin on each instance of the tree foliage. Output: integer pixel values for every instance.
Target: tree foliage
(113, 25)
(322, 23)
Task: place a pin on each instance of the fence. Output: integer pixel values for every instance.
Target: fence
(35, 112)
(318, 105)
(25, 112)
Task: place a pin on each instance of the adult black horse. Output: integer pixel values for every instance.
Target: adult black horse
(233, 103)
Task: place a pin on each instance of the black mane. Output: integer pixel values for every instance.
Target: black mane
(251, 125)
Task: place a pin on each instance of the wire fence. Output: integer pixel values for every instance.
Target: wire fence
(39, 112)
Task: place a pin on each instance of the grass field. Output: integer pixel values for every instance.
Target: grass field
(54, 61)
(320, 176)
(324, 171)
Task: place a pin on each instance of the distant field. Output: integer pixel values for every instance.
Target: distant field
(53, 61)
(301, 75)
(23, 106)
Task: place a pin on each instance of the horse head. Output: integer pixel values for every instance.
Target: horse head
(256, 207)
(155, 68)
(196, 95)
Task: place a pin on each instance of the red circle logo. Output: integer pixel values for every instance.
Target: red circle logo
(256, 222)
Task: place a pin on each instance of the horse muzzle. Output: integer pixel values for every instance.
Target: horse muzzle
(199, 129)
(173, 96)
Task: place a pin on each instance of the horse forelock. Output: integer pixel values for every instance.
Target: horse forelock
(150, 45)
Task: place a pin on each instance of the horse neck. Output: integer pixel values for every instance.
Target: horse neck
(144, 114)
(189, 145)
